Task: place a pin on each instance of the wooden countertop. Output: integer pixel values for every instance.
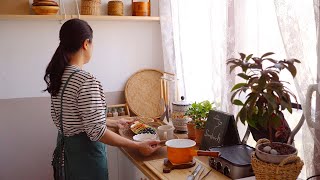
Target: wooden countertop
(138, 159)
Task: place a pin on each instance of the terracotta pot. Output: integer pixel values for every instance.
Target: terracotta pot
(199, 135)
(191, 131)
(181, 151)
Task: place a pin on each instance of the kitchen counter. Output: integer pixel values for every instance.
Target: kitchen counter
(138, 160)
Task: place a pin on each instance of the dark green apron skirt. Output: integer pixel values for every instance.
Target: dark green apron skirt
(83, 159)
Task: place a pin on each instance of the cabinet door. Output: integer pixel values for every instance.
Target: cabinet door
(112, 155)
(127, 170)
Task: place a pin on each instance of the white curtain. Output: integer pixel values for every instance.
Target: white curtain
(197, 40)
(199, 36)
(298, 23)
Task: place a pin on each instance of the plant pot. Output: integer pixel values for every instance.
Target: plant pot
(198, 135)
(191, 131)
(284, 151)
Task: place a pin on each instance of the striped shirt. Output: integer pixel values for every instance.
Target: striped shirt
(83, 105)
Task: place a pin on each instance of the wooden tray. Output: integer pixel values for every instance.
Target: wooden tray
(127, 133)
(156, 166)
(143, 93)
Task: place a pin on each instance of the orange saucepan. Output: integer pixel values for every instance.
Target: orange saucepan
(181, 151)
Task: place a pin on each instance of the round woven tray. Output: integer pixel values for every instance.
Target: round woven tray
(269, 171)
(142, 93)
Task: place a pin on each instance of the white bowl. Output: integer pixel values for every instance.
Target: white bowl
(144, 137)
(270, 158)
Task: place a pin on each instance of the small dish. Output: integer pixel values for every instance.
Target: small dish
(144, 137)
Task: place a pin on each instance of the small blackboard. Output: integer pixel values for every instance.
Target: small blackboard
(220, 130)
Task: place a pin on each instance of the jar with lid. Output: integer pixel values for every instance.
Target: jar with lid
(178, 117)
(109, 114)
(115, 112)
(121, 112)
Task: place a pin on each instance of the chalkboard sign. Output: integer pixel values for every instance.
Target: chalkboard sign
(220, 130)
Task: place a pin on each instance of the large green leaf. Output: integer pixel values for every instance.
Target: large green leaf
(237, 102)
(292, 69)
(271, 99)
(234, 94)
(242, 56)
(244, 76)
(237, 86)
(232, 67)
(248, 57)
(262, 82)
(267, 54)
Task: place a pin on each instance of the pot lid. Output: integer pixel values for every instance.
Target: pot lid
(182, 102)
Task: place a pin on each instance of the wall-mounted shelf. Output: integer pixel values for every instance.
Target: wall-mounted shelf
(84, 17)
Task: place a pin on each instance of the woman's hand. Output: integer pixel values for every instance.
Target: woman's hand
(119, 123)
(124, 123)
(146, 148)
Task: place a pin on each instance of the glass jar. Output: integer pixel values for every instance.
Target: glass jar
(109, 114)
(115, 112)
(121, 112)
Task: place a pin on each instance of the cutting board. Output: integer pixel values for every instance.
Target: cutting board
(15, 7)
(156, 166)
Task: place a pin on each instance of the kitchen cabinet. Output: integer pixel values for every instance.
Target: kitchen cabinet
(120, 167)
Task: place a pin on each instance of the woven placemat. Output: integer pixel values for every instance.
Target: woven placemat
(142, 93)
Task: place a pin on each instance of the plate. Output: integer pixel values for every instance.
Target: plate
(144, 137)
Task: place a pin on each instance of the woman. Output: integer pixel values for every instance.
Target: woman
(78, 106)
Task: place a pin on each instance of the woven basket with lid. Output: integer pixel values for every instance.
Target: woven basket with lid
(90, 7)
(115, 8)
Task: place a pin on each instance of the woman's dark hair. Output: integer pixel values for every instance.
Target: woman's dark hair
(72, 35)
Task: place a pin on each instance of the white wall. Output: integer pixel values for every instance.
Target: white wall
(27, 134)
(120, 49)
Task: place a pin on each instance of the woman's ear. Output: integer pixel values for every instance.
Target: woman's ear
(86, 44)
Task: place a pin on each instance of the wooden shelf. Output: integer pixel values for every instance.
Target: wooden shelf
(84, 17)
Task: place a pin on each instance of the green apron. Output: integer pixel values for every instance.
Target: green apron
(83, 159)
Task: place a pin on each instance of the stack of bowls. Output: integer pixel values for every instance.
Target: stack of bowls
(45, 7)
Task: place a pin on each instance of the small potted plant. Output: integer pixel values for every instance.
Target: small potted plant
(266, 97)
(199, 129)
(198, 112)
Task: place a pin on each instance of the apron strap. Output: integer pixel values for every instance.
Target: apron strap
(58, 155)
(61, 100)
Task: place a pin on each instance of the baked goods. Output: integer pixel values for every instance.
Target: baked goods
(141, 128)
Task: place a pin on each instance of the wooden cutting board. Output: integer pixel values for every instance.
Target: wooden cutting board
(156, 166)
(20, 7)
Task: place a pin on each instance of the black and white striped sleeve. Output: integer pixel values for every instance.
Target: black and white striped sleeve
(92, 109)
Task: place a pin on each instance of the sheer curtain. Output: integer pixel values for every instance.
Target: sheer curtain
(197, 41)
(298, 23)
(199, 36)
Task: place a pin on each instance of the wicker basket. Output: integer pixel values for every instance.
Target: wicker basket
(90, 7)
(141, 8)
(282, 171)
(115, 8)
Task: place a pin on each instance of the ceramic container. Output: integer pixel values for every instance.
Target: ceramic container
(178, 117)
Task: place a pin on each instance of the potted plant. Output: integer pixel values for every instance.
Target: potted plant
(266, 97)
(198, 112)
(199, 129)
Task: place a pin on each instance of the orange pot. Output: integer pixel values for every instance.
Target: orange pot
(181, 151)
